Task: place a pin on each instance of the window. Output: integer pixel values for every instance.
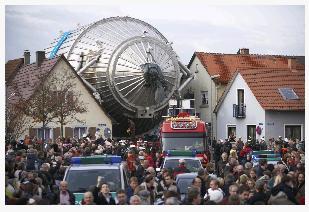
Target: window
(293, 131)
(79, 131)
(205, 97)
(251, 132)
(43, 134)
(231, 130)
(288, 93)
(240, 97)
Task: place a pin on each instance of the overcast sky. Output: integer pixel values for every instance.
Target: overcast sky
(191, 27)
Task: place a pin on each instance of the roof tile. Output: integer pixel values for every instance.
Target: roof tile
(227, 64)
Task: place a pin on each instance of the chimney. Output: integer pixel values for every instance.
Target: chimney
(292, 63)
(243, 51)
(26, 57)
(40, 56)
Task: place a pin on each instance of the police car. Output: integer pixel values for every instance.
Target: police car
(84, 172)
(171, 160)
(269, 155)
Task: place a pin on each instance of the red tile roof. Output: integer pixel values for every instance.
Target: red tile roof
(264, 84)
(27, 78)
(12, 66)
(227, 64)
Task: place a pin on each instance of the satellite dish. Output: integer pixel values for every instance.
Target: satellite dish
(107, 132)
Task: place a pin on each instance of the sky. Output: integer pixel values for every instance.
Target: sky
(271, 29)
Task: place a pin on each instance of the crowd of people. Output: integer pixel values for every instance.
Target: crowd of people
(34, 172)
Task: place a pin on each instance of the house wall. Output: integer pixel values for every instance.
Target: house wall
(276, 121)
(255, 114)
(203, 82)
(95, 117)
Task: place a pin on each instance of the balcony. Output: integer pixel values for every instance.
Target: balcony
(239, 111)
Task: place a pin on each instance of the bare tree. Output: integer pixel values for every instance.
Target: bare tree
(67, 100)
(41, 105)
(16, 122)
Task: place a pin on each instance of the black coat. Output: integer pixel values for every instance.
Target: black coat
(57, 198)
(103, 201)
(258, 198)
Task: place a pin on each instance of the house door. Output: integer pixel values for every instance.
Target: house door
(251, 132)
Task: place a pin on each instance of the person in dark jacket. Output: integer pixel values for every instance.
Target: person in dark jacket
(201, 174)
(64, 196)
(105, 197)
(261, 167)
(95, 190)
(259, 197)
(130, 190)
(286, 186)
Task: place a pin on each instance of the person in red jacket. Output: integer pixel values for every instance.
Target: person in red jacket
(181, 168)
(131, 163)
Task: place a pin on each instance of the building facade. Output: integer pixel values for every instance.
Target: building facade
(252, 105)
(90, 122)
(213, 72)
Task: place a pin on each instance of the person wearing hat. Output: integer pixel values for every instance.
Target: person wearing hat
(181, 168)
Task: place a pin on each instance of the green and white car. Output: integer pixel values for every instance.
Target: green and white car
(84, 171)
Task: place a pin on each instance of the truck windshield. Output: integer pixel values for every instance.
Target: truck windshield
(81, 180)
(182, 141)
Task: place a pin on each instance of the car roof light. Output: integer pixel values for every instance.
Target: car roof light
(102, 159)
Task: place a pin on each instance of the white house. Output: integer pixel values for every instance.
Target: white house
(263, 102)
(213, 71)
(26, 80)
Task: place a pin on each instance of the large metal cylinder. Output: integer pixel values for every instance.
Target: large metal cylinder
(129, 65)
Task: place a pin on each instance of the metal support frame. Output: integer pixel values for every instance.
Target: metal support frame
(93, 61)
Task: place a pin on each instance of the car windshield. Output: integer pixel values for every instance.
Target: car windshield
(182, 141)
(192, 165)
(81, 180)
(183, 185)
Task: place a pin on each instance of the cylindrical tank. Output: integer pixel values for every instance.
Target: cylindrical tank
(130, 66)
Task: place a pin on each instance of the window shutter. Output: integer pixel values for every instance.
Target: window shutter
(91, 131)
(68, 132)
(56, 132)
(32, 132)
(234, 110)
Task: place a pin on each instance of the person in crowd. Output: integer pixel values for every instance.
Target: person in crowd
(64, 196)
(181, 168)
(243, 193)
(167, 184)
(121, 197)
(148, 185)
(221, 164)
(300, 188)
(135, 200)
(88, 199)
(193, 197)
(104, 196)
(132, 186)
(283, 192)
(259, 197)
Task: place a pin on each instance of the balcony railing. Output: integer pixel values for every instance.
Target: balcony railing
(239, 111)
